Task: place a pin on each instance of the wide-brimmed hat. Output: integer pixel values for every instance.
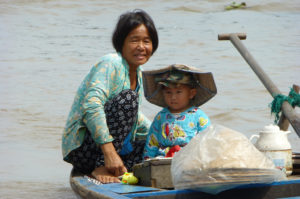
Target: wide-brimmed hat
(202, 81)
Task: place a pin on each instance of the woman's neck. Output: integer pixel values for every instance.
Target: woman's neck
(133, 79)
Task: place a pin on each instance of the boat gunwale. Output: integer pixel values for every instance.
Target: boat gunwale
(93, 190)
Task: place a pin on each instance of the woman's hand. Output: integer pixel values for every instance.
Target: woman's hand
(113, 162)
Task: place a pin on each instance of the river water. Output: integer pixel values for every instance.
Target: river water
(47, 47)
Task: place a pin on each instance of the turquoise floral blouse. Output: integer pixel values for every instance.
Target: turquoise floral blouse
(105, 80)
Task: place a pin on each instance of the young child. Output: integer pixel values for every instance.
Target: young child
(179, 89)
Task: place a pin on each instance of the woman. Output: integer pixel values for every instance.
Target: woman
(102, 132)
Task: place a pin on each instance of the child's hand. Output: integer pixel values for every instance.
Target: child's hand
(173, 150)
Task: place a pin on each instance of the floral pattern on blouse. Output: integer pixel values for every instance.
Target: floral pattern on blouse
(104, 81)
(168, 130)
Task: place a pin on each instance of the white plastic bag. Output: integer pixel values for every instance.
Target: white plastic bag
(219, 159)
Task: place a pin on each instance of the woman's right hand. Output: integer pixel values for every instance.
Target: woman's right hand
(113, 162)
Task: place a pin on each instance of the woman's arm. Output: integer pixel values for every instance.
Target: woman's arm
(104, 79)
(103, 82)
(113, 162)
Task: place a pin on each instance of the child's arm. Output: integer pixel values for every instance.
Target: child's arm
(203, 120)
(152, 144)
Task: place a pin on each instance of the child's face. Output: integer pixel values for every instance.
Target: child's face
(178, 98)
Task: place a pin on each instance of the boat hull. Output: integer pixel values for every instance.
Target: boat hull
(86, 187)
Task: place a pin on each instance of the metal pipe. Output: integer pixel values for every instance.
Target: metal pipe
(287, 109)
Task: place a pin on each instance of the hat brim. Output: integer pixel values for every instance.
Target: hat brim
(205, 85)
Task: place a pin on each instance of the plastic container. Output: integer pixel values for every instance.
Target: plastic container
(274, 144)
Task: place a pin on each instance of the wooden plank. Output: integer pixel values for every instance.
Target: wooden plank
(288, 188)
(89, 190)
(154, 173)
(143, 173)
(161, 176)
(85, 188)
(241, 36)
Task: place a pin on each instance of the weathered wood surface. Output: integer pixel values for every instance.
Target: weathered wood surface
(84, 188)
(154, 173)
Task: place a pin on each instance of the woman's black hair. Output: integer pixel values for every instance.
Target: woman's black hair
(129, 21)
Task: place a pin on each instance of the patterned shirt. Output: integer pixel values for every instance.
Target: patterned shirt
(168, 130)
(105, 80)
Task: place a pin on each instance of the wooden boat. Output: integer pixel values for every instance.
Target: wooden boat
(87, 187)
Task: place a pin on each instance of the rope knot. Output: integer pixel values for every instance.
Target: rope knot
(293, 99)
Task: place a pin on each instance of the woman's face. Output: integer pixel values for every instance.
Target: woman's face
(137, 47)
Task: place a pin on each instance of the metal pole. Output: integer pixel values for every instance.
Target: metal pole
(287, 109)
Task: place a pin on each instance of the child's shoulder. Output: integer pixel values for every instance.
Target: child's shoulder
(161, 113)
(195, 110)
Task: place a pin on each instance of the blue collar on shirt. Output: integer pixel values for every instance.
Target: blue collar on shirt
(191, 109)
